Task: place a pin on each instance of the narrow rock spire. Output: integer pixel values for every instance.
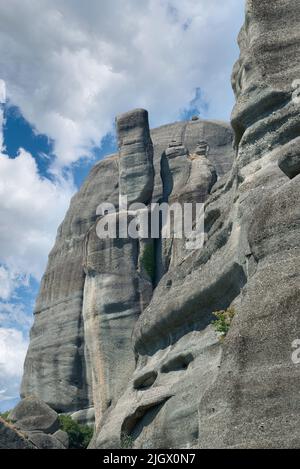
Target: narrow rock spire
(135, 156)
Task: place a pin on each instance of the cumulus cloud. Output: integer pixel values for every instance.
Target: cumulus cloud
(13, 348)
(14, 316)
(2, 102)
(31, 207)
(9, 282)
(72, 66)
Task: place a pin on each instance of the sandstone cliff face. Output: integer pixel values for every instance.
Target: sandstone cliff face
(141, 347)
(92, 284)
(253, 402)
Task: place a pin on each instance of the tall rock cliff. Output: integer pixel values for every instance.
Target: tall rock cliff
(125, 325)
(92, 284)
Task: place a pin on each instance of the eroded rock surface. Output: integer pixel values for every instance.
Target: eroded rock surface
(11, 438)
(136, 171)
(58, 368)
(253, 402)
(125, 325)
(32, 424)
(32, 414)
(242, 392)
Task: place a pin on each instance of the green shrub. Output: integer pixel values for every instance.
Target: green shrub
(126, 441)
(223, 322)
(4, 415)
(148, 260)
(79, 435)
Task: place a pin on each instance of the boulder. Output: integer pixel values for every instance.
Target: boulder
(32, 414)
(62, 437)
(11, 438)
(44, 441)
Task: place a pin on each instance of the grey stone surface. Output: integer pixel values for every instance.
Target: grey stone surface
(44, 441)
(32, 425)
(162, 412)
(62, 437)
(218, 135)
(32, 414)
(143, 351)
(289, 161)
(246, 394)
(84, 416)
(115, 293)
(253, 402)
(11, 438)
(136, 171)
(57, 366)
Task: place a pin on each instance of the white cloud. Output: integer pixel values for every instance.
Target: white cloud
(9, 281)
(13, 347)
(13, 315)
(71, 66)
(31, 208)
(2, 92)
(2, 102)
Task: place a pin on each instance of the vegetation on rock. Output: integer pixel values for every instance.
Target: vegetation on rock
(223, 321)
(4, 415)
(79, 435)
(148, 260)
(126, 441)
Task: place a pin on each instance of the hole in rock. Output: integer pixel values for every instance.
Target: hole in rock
(179, 363)
(134, 424)
(145, 381)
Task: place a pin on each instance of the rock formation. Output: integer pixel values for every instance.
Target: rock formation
(10, 438)
(86, 277)
(135, 339)
(32, 425)
(136, 172)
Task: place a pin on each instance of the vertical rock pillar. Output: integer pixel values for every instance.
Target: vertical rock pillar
(135, 156)
(118, 284)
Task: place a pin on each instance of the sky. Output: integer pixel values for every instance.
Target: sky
(67, 68)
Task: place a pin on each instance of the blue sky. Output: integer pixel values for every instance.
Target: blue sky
(65, 78)
(19, 133)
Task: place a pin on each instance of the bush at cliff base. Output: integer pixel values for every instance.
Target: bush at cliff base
(79, 435)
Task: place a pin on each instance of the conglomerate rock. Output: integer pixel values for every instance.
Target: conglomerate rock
(57, 366)
(241, 392)
(139, 344)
